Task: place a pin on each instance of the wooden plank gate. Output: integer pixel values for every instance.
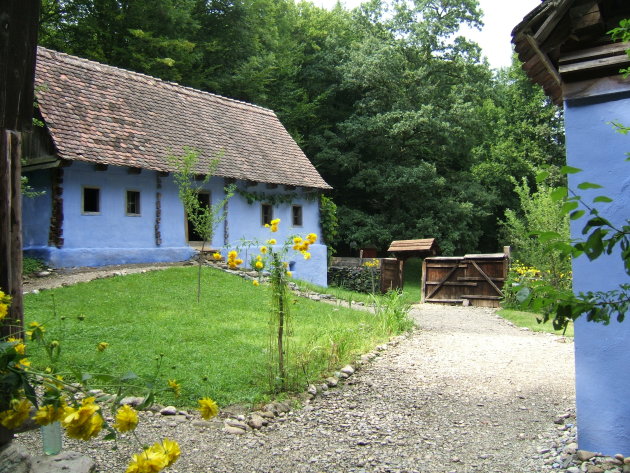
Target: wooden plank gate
(391, 274)
(470, 280)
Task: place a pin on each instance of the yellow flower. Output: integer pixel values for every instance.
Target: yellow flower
(259, 265)
(126, 419)
(102, 346)
(238, 261)
(274, 228)
(149, 461)
(208, 408)
(217, 256)
(272, 241)
(15, 416)
(48, 413)
(297, 240)
(285, 264)
(169, 448)
(255, 282)
(23, 363)
(258, 258)
(311, 237)
(4, 310)
(306, 255)
(263, 249)
(289, 273)
(232, 254)
(175, 387)
(19, 347)
(275, 221)
(84, 422)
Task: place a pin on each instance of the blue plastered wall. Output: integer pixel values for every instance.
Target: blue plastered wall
(602, 353)
(245, 222)
(113, 237)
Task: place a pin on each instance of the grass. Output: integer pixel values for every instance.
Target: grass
(528, 319)
(216, 348)
(31, 265)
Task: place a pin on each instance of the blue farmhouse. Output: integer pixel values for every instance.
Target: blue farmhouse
(109, 196)
(565, 47)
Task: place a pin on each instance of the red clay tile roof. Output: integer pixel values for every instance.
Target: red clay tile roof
(102, 114)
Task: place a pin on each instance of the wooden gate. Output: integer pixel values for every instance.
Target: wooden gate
(391, 274)
(472, 279)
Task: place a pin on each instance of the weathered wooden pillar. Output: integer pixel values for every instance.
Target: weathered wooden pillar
(18, 46)
(11, 229)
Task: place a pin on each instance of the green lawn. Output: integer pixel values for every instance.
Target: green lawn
(216, 348)
(528, 319)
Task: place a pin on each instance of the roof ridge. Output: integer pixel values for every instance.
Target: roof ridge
(137, 75)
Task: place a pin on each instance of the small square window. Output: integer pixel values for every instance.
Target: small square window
(91, 200)
(133, 203)
(266, 213)
(296, 214)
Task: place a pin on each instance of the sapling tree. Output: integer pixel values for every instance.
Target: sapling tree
(204, 218)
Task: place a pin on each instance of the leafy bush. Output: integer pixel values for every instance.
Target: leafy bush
(31, 265)
(393, 312)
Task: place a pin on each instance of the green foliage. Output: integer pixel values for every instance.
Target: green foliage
(329, 222)
(540, 213)
(533, 322)
(31, 265)
(392, 311)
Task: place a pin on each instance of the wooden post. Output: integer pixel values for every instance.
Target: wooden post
(11, 230)
(18, 46)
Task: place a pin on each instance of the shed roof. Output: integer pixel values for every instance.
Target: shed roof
(426, 245)
(106, 115)
(566, 42)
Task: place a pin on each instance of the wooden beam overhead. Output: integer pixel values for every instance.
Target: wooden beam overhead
(545, 59)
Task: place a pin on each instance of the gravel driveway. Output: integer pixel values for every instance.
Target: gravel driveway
(467, 392)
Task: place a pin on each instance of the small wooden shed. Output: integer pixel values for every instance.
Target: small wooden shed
(470, 280)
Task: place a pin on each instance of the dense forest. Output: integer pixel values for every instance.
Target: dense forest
(415, 132)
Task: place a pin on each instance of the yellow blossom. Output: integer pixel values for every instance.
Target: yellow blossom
(311, 237)
(175, 387)
(289, 274)
(15, 416)
(232, 254)
(263, 249)
(259, 265)
(48, 413)
(4, 310)
(297, 240)
(255, 282)
(258, 258)
(274, 228)
(217, 256)
(19, 347)
(169, 448)
(126, 419)
(208, 408)
(102, 346)
(272, 241)
(84, 422)
(306, 255)
(23, 363)
(275, 221)
(149, 461)
(238, 261)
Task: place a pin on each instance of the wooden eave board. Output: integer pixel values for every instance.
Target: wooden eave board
(426, 244)
(493, 256)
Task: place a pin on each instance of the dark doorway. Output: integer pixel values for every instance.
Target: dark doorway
(204, 201)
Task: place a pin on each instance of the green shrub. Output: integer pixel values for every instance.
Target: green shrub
(31, 265)
(359, 279)
(392, 310)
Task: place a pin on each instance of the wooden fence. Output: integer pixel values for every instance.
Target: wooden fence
(470, 280)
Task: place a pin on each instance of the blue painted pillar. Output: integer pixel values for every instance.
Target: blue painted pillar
(602, 353)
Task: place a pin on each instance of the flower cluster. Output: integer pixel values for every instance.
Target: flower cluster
(5, 301)
(155, 458)
(273, 225)
(524, 270)
(374, 263)
(302, 244)
(233, 260)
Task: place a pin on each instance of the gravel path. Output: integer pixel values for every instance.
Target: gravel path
(467, 392)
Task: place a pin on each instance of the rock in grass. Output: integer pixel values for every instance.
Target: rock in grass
(348, 369)
(332, 381)
(169, 411)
